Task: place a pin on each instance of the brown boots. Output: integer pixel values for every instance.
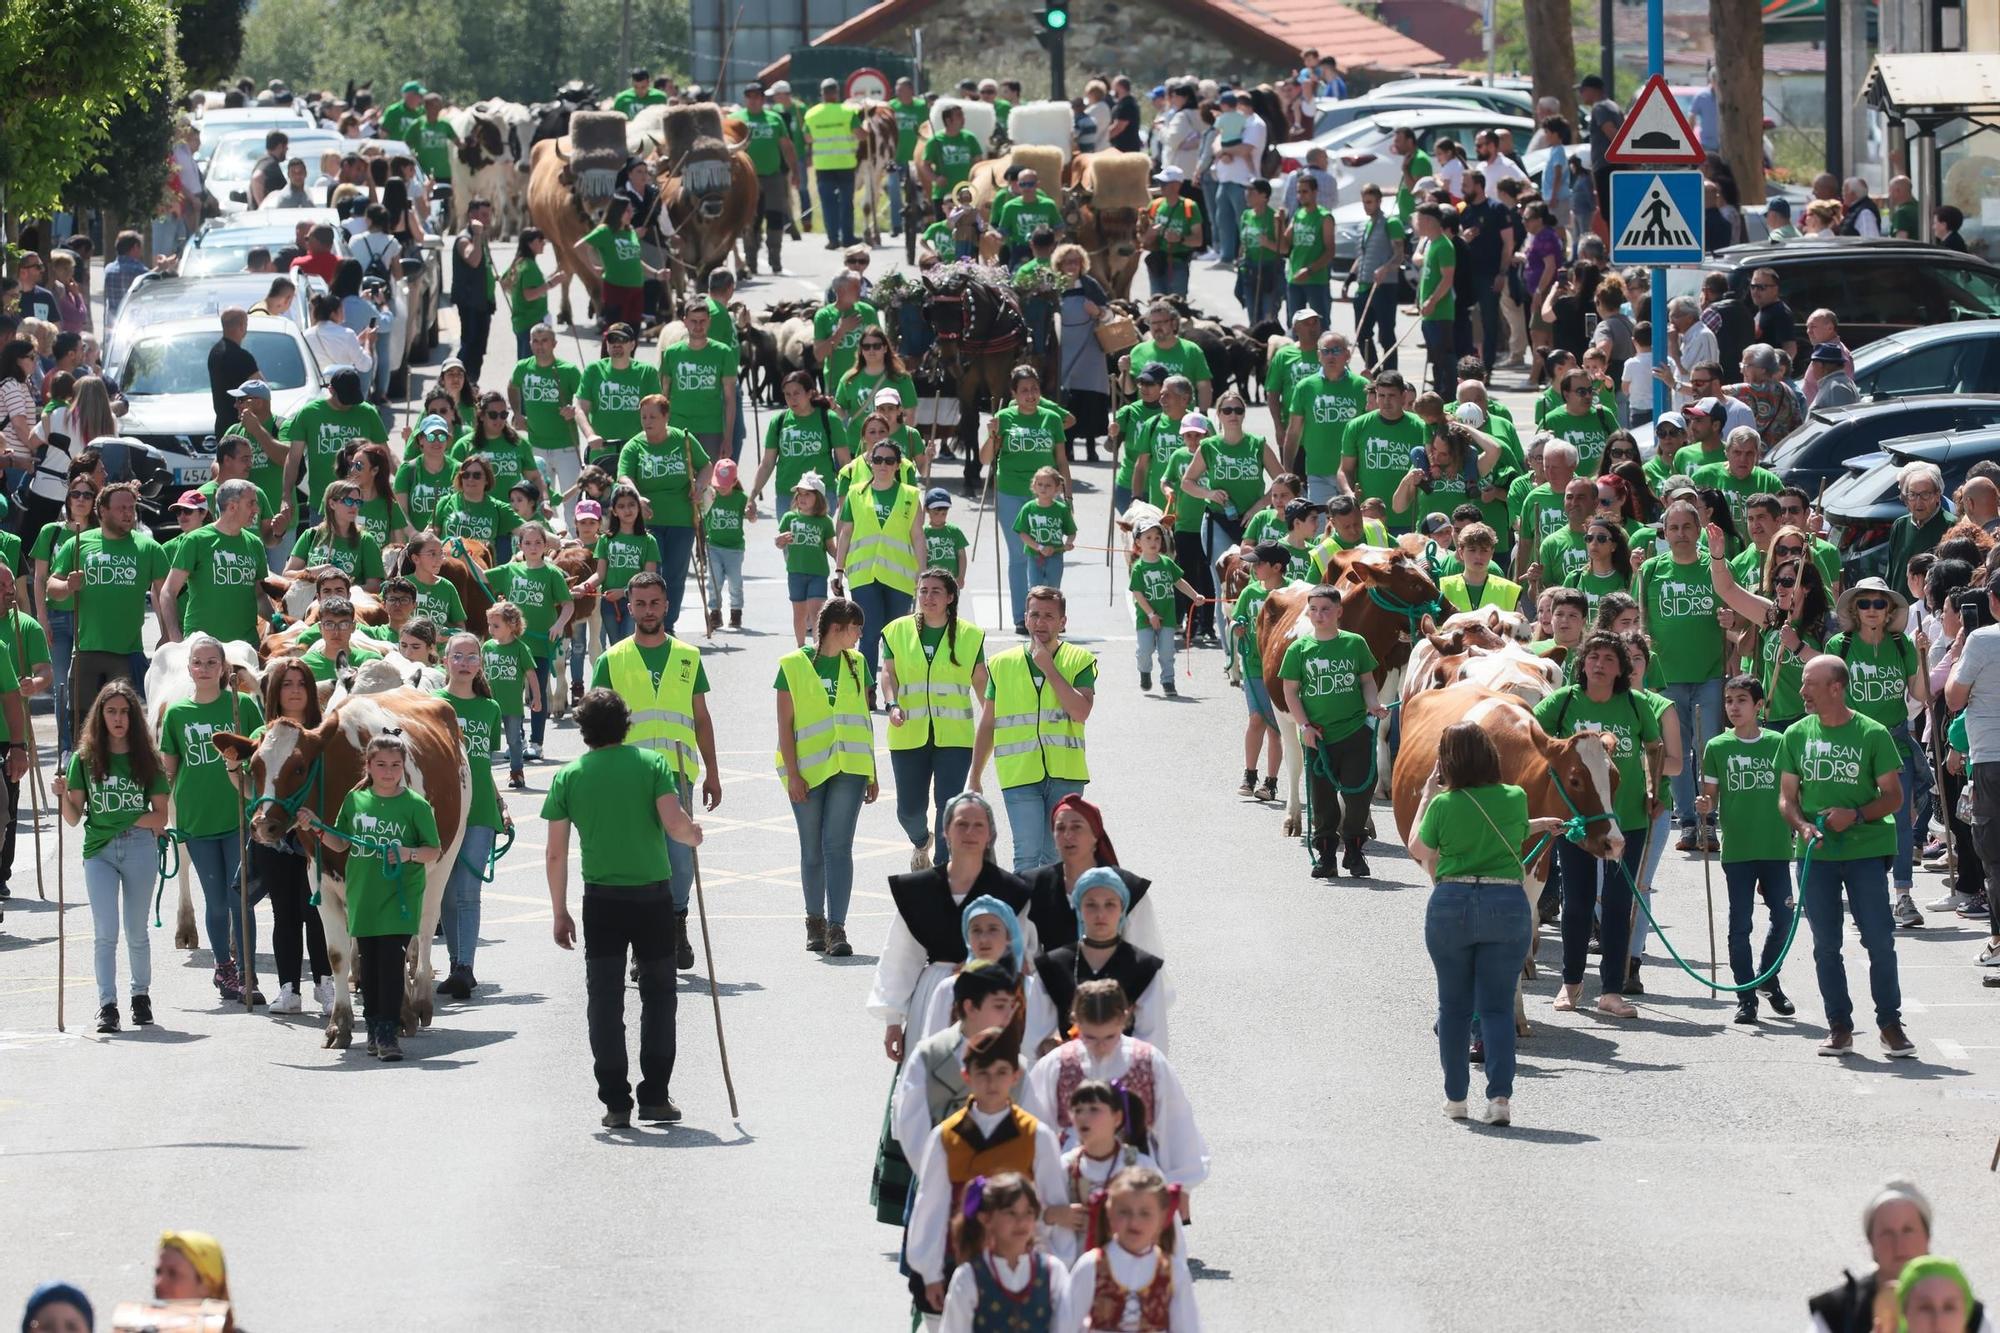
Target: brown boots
(816, 934)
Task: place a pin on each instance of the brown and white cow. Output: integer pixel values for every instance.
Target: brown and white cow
(319, 768)
(1482, 647)
(875, 153)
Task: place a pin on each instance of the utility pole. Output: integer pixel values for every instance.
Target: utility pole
(1607, 64)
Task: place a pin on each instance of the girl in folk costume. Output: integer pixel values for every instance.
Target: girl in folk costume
(1135, 1281)
(932, 1083)
(1102, 1051)
(1099, 901)
(1081, 842)
(991, 1134)
(992, 933)
(1003, 1283)
(1100, 1114)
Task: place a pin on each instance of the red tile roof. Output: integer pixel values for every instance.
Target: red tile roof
(1281, 28)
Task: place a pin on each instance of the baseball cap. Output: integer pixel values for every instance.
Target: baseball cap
(1433, 524)
(588, 509)
(434, 425)
(1671, 421)
(415, 86)
(753, 87)
(1305, 313)
(1171, 173)
(451, 363)
(1226, 98)
(1159, 90)
(1471, 414)
(811, 481)
(1195, 422)
(1154, 372)
(191, 500)
(725, 470)
(1591, 81)
(1829, 354)
(1779, 206)
(781, 86)
(829, 85)
(937, 497)
(887, 394)
(252, 389)
(619, 332)
(1705, 407)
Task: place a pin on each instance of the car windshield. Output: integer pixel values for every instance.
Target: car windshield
(227, 253)
(237, 154)
(1971, 293)
(213, 136)
(178, 363)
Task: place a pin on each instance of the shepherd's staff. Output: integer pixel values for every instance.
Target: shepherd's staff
(1111, 510)
(33, 778)
(1361, 320)
(62, 903)
(242, 840)
(1707, 883)
(714, 996)
(700, 536)
(1394, 346)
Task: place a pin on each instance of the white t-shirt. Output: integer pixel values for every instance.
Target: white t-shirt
(1979, 667)
(1638, 377)
(1241, 170)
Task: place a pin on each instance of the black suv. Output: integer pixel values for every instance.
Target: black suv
(1815, 454)
(1876, 287)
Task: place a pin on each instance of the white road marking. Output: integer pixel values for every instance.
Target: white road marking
(1950, 1050)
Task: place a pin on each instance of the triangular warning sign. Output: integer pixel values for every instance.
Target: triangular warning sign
(1656, 132)
(1658, 223)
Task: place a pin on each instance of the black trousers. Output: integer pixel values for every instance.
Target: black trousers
(281, 876)
(89, 674)
(382, 959)
(475, 325)
(1194, 564)
(1334, 815)
(616, 922)
(8, 840)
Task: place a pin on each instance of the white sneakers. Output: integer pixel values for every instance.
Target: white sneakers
(920, 855)
(1455, 1110)
(1499, 1112)
(1951, 902)
(287, 1001)
(323, 994)
(1989, 955)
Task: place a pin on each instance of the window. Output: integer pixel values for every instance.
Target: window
(179, 363)
(1931, 369)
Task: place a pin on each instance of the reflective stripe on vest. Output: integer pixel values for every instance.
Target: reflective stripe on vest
(1033, 737)
(830, 738)
(831, 128)
(935, 695)
(663, 715)
(878, 555)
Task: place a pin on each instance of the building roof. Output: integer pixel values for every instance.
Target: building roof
(1277, 28)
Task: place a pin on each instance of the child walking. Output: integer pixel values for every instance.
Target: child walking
(1098, 1113)
(1269, 570)
(729, 508)
(1047, 529)
(1739, 773)
(625, 549)
(542, 593)
(469, 695)
(1003, 1282)
(383, 905)
(117, 789)
(1135, 1281)
(1155, 578)
(804, 535)
(510, 673)
(945, 542)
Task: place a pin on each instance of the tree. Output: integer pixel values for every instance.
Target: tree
(210, 40)
(1552, 52)
(1739, 94)
(128, 174)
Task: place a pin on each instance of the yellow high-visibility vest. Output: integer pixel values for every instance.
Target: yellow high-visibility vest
(831, 128)
(663, 714)
(1503, 593)
(1033, 736)
(934, 693)
(831, 738)
(883, 551)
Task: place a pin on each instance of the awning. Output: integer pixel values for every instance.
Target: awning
(1929, 89)
(1804, 20)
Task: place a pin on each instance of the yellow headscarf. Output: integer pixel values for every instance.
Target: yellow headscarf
(204, 1253)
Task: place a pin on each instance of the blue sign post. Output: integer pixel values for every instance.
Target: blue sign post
(1656, 217)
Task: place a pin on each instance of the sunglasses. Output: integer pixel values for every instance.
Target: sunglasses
(494, 416)
(1786, 581)
(1229, 411)
(1598, 539)
(83, 495)
(351, 501)
(1783, 551)
(1871, 604)
(885, 460)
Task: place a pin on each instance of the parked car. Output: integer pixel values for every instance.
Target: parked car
(164, 374)
(1503, 99)
(228, 171)
(219, 124)
(1364, 152)
(1861, 507)
(159, 297)
(1944, 358)
(1334, 114)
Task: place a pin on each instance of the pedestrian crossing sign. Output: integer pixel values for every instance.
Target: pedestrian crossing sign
(1656, 217)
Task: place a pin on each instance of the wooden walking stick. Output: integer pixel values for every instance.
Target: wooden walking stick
(62, 934)
(700, 535)
(714, 996)
(33, 777)
(242, 842)
(1707, 882)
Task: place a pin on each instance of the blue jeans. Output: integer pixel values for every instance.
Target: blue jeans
(1168, 277)
(725, 565)
(826, 821)
(836, 203)
(1017, 555)
(215, 862)
(538, 719)
(118, 880)
(1867, 885)
(617, 620)
(1044, 570)
(676, 554)
(1157, 643)
(1375, 332)
(1308, 296)
(929, 775)
(1747, 880)
(1581, 890)
(1030, 807)
(1230, 200)
(1121, 496)
(1656, 850)
(62, 646)
(522, 351)
(892, 184)
(1916, 794)
(680, 856)
(1478, 936)
(460, 911)
(514, 730)
(1441, 355)
(879, 605)
(577, 648)
(1257, 698)
(1322, 487)
(1489, 323)
(1707, 693)
(1260, 288)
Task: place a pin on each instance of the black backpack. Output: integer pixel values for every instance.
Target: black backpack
(375, 265)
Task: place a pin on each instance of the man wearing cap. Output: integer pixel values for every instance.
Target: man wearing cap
(1018, 215)
(1778, 219)
(268, 455)
(1317, 416)
(1704, 445)
(324, 427)
(222, 567)
(831, 125)
(397, 119)
(1834, 385)
(642, 93)
(1170, 234)
(948, 157)
(1290, 364)
(1130, 429)
(768, 143)
(698, 376)
(229, 364)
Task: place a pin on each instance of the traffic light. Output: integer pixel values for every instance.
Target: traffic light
(1051, 24)
(1055, 15)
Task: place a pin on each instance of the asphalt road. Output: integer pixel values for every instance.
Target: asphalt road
(1665, 1172)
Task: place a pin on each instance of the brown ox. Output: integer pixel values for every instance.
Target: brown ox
(1393, 575)
(317, 769)
(1575, 775)
(565, 207)
(1482, 646)
(1104, 195)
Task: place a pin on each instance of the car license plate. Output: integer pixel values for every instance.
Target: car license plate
(192, 476)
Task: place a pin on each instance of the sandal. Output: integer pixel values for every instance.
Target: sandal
(1616, 1006)
(1566, 999)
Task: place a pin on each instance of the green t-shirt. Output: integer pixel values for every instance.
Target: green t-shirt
(724, 519)
(1541, 512)
(433, 141)
(625, 554)
(655, 660)
(1046, 525)
(23, 647)
(324, 430)
(766, 130)
(1028, 443)
(1324, 407)
(1381, 451)
(479, 724)
(207, 489)
(629, 100)
(205, 800)
(1587, 431)
(396, 120)
(486, 519)
(1173, 222)
(1839, 767)
(1761, 481)
(360, 558)
(1476, 831)
(1418, 167)
(1258, 231)
(1329, 672)
(1290, 367)
(359, 650)
(423, 488)
(856, 395)
(812, 535)
(380, 517)
(1161, 437)
(693, 378)
(380, 902)
(1439, 256)
(612, 796)
(510, 460)
(1016, 217)
(113, 804)
(1692, 458)
(1878, 675)
(1569, 711)
(841, 359)
(1180, 357)
(1562, 553)
(620, 253)
(943, 544)
(611, 396)
(1237, 470)
(828, 669)
(1680, 606)
(939, 238)
(1131, 420)
(1187, 512)
(117, 576)
(1780, 671)
(224, 573)
(1746, 778)
(803, 444)
(440, 601)
(508, 667)
(1594, 586)
(44, 550)
(1249, 605)
(1309, 246)
(950, 158)
(1154, 580)
(545, 392)
(910, 117)
(527, 311)
(539, 592)
(660, 471)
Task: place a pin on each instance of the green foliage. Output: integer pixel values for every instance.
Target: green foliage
(129, 172)
(464, 49)
(1510, 45)
(210, 40)
(66, 69)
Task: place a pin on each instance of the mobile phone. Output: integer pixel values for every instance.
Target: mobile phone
(1589, 327)
(1972, 610)
(1420, 459)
